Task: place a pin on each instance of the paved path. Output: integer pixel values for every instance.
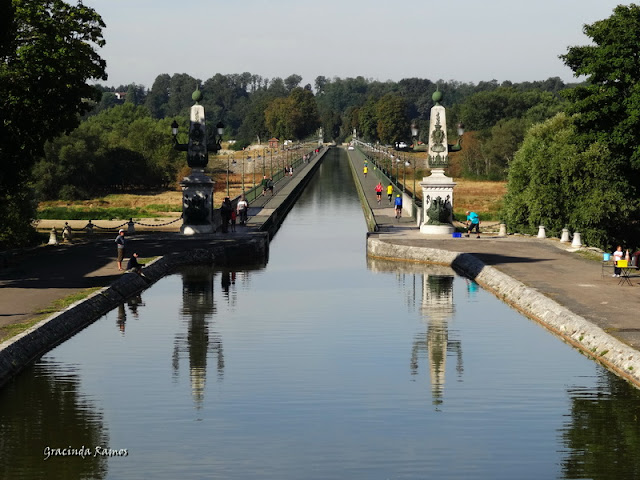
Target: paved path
(547, 265)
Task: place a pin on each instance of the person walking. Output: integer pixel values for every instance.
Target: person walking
(379, 192)
(120, 243)
(473, 222)
(398, 206)
(225, 213)
(270, 185)
(365, 171)
(390, 193)
(265, 185)
(242, 209)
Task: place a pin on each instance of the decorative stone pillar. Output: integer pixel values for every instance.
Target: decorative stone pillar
(53, 236)
(565, 236)
(131, 226)
(541, 232)
(437, 189)
(197, 204)
(503, 230)
(197, 188)
(67, 236)
(577, 241)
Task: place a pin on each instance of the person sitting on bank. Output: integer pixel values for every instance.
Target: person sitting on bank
(133, 265)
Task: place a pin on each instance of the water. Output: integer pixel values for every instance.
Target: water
(323, 365)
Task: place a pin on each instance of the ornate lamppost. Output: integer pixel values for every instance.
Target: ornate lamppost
(437, 189)
(197, 188)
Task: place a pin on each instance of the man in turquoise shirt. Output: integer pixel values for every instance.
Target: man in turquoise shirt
(473, 221)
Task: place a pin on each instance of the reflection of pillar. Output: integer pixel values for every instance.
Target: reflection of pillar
(437, 308)
(122, 318)
(197, 308)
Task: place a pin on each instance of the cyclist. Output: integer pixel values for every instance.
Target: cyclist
(398, 206)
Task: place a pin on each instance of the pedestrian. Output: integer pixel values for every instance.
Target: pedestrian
(242, 208)
(390, 193)
(379, 192)
(270, 185)
(120, 243)
(133, 264)
(365, 171)
(473, 223)
(398, 206)
(265, 184)
(233, 220)
(617, 255)
(225, 214)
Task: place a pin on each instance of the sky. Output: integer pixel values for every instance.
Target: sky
(462, 40)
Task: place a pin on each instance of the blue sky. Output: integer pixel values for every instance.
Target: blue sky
(464, 40)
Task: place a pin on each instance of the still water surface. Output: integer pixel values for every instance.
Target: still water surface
(320, 366)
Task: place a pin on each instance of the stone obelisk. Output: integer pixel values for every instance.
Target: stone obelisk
(437, 188)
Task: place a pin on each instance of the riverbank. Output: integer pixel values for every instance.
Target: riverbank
(547, 280)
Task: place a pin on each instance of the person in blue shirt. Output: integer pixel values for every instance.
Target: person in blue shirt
(473, 222)
(398, 206)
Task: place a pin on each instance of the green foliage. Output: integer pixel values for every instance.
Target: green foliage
(555, 183)
(118, 149)
(392, 125)
(294, 117)
(47, 54)
(240, 145)
(606, 108)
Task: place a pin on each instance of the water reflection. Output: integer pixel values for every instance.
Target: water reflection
(44, 408)
(121, 317)
(437, 308)
(597, 449)
(198, 309)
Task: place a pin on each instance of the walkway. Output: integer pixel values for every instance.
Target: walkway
(384, 212)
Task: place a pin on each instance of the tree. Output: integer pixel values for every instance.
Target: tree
(606, 108)
(393, 124)
(293, 117)
(158, 96)
(292, 81)
(47, 55)
(554, 182)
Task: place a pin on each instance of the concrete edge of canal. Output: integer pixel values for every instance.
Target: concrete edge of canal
(589, 339)
(23, 349)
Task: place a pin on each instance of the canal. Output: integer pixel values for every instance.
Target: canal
(322, 365)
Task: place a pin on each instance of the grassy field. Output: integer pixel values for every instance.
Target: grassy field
(485, 198)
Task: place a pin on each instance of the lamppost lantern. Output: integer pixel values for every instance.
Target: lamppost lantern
(174, 129)
(460, 129)
(414, 130)
(220, 129)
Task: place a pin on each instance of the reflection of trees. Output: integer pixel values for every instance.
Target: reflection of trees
(43, 408)
(603, 438)
(437, 307)
(198, 307)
